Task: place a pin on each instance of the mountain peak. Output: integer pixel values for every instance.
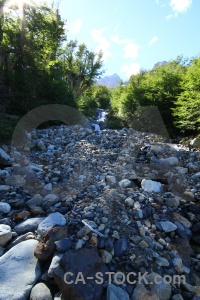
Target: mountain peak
(110, 81)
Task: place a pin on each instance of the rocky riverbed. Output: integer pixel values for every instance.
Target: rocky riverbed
(86, 202)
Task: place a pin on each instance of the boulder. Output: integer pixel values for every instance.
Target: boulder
(51, 221)
(80, 284)
(19, 271)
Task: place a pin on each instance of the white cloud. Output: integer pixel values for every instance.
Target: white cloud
(130, 49)
(169, 17)
(180, 6)
(153, 40)
(75, 27)
(103, 43)
(132, 69)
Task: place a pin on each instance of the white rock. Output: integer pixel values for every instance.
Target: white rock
(5, 234)
(54, 263)
(4, 207)
(40, 292)
(49, 222)
(151, 186)
(19, 271)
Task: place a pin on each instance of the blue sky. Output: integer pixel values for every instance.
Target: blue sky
(134, 34)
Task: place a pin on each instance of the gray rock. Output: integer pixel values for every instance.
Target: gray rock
(120, 246)
(161, 289)
(116, 293)
(171, 160)
(40, 292)
(50, 200)
(49, 222)
(168, 226)
(41, 145)
(4, 207)
(4, 188)
(195, 142)
(5, 234)
(19, 270)
(88, 263)
(151, 186)
(36, 200)
(28, 225)
(111, 179)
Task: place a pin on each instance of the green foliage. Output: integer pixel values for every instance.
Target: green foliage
(35, 66)
(102, 95)
(187, 110)
(159, 87)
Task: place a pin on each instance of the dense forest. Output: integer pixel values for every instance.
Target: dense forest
(38, 65)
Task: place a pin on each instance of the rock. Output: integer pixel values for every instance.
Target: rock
(172, 202)
(63, 245)
(4, 174)
(111, 180)
(46, 247)
(178, 265)
(83, 231)
(171, 160)
(36, 200)
(41, 145)
(182, 220)
(106, 256)
(51, 221)
(40, 292)
(125, 183)
(28, 225)
(116, 293)
(4, 156)
(195, 142)
(49, 200)
(141, 293)
(129, 202)
(4, 207)
(54, 264)
(177, 297)
(4, 188)
(151, 186)
(168, 226)
(161, 289)
(19, 239)
(5, 234)
(120, 247)
(87, 263)
(19, 271)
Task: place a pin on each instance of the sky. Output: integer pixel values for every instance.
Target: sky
(134, 34)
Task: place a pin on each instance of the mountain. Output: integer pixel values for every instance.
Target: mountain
(110, 81)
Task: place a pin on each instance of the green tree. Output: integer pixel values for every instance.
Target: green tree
(187, 110)
(82, 67)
